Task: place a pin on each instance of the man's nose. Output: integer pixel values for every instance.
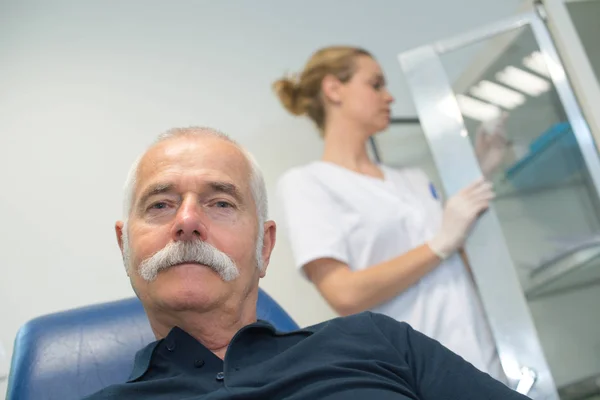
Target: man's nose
(189, 224)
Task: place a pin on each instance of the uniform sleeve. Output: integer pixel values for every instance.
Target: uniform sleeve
(438, 372)
(312, 219)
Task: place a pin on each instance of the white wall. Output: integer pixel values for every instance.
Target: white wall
(85, 85)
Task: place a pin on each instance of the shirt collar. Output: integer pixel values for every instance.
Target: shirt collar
(142, 361)
(144, 356)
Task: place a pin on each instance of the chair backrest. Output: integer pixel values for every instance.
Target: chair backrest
(71, 354)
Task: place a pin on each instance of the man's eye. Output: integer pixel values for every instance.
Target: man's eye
(223, 204)
(158, 206)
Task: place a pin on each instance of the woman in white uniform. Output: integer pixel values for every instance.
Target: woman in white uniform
(376, 238)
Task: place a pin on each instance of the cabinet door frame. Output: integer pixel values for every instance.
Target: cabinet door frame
(576, 62)
(504, 302)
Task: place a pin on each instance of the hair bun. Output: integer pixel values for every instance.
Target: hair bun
(289, 93)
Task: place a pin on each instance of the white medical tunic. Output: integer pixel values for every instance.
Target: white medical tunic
(333, 212)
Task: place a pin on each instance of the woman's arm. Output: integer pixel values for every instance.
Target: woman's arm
(349, 292)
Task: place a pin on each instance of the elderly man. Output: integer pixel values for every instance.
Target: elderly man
(195, 241)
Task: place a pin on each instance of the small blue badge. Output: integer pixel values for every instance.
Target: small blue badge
(433, 191)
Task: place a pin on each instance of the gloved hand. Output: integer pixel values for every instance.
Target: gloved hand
(460, 212)
(491, 144)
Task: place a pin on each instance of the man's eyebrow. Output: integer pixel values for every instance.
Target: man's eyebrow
(155, 189)
(227, 188)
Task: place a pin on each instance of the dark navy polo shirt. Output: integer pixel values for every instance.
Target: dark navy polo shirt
(364, 356)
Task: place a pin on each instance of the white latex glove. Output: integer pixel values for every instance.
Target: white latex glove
(491, 144)
(460, 212)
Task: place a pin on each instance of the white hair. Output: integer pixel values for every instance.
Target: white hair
(257, 183)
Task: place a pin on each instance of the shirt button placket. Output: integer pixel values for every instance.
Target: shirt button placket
(220, 376)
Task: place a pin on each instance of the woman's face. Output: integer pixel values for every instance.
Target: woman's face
(364, 99)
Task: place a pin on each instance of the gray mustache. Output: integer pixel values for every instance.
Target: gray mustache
(189, 252)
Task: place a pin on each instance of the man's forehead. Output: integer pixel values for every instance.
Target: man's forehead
(192, 154)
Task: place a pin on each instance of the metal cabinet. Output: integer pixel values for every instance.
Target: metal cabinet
(535, 254)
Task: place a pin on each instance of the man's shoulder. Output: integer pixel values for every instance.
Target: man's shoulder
(366, 320)
(367, 329)
(111, 392)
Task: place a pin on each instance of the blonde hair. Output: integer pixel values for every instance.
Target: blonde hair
(302, 96)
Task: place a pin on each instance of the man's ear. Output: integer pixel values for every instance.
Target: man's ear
(119, 227)
(270, 229)
(330, 86)
(119, 231)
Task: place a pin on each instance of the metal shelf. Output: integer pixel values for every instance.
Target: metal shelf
(570, 270)
(552, 162)
(504, 190)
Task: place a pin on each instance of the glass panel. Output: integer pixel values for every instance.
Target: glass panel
(546, 203)
(585, 18)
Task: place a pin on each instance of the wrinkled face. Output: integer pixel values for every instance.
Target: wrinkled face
(364, 99)
(193, 227)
